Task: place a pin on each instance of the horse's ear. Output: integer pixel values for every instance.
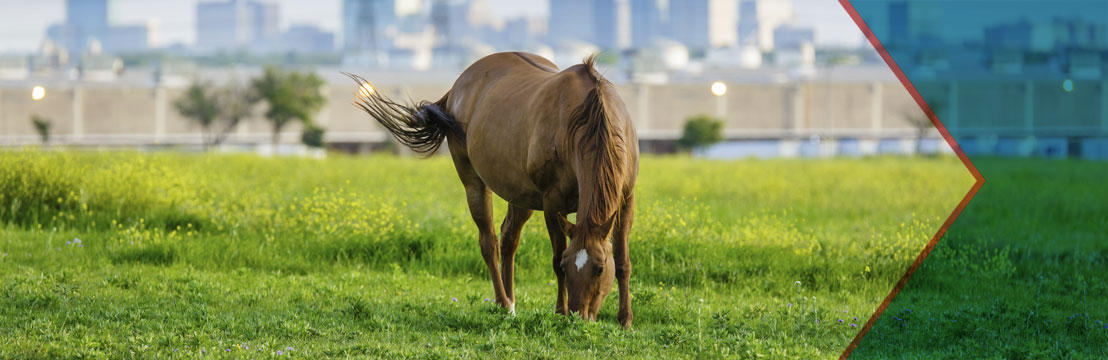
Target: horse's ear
(567, 227)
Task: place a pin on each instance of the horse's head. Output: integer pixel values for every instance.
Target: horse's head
(589, 268)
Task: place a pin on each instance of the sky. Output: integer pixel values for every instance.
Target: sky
(23, 22)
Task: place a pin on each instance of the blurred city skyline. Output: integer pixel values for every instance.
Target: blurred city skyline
(23, 24)
(800, 78)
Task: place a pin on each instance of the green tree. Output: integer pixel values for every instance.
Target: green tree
(291, 95)
(919, 121)
(201, 105)
(217, 110)
(700, 131)
(236, 102)
(42, 127)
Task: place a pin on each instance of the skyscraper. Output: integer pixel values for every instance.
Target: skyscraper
(236, 24)
(611, 24)
(131, 38)
(307, 39)
(605, 24)
(689, 23)
(649, 21)
(748, 23)
(85, 21)
(573, 20)
(365, 24)
(758, 19)
(793, 37)
(448, 17)
(266, 22)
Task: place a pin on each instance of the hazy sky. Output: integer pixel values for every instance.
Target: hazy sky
(23, 22)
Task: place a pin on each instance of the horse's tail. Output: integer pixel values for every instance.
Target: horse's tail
(420, 126)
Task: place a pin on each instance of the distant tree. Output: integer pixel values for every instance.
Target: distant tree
(236, 102)
(700, 131)
(919, 121)
(217, 110)
(291, 95)
(201, 105)
(42, 127)
(312, 136)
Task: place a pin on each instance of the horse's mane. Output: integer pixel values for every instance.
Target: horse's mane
(603, 150)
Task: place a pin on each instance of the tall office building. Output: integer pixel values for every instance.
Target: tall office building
(898, 25)
(572, 20)
(604, 23)
(649, 21)
(517, 33)
(689, 23)
(223, 25)
(307, 39)
(85, 21)
(793, 37)
(703, 24)
(758, 19)
(365, 24)
(450, 19)
(723, 20)
(266, 22)
(131, 38)
(236, 24)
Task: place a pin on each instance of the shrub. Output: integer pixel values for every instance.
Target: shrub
(312, 136)
(700, 131)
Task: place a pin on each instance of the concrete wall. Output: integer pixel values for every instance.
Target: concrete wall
(105, 114)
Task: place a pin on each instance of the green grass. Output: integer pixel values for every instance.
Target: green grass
(1022, 274)
(363, 256)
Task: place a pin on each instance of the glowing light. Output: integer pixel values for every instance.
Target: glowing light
(719, 88)
(37, 93)
(366, 90)
(1067, 85)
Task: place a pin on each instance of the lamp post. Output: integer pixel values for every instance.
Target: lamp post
(719, 89)
(38, 93)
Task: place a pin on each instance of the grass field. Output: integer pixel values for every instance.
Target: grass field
(1022, 274)
(131, 255)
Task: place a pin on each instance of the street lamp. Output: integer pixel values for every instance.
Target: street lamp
(719, 89)
(38, 93)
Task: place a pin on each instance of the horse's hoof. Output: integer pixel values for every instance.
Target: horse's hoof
(625, 321)
(512, 309)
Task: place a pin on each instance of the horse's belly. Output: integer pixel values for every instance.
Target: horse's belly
(502, 166)
(510, 185)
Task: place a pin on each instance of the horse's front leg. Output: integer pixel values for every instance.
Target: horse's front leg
(622, 259)
(554, 227)
(509, 241)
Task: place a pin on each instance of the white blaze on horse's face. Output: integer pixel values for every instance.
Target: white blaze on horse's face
(582, 257)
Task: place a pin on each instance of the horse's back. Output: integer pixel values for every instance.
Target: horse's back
(516, 109)
(512, 107)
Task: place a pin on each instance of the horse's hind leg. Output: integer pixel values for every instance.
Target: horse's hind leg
(509, 241)
(480, 208)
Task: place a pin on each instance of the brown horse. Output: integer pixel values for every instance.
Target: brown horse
(541, 139)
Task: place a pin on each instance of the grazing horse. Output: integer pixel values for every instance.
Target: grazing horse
(541, 139)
